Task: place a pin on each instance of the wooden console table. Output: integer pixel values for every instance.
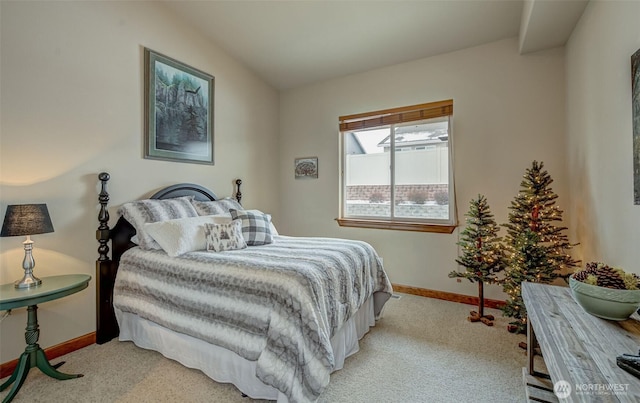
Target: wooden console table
(578, 348)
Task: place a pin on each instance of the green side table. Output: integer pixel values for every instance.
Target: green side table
(52, 288)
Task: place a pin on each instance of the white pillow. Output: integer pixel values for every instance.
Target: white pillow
(182, 235)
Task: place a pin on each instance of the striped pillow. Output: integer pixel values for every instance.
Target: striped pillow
(221, 206)
(256, 226)
(140, 212)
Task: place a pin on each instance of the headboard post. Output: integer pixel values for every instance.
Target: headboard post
(106, 325)
(238, 192)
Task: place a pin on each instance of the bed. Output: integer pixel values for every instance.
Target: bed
(221, 291)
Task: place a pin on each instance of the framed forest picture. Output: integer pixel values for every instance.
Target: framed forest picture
(178, 111)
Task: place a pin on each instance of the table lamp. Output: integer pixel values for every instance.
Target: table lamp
(27, 220)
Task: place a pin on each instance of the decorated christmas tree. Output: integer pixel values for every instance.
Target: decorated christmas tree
(481, 253)
(528, 262)
(536, 248)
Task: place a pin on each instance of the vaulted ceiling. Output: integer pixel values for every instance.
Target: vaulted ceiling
(294, 43)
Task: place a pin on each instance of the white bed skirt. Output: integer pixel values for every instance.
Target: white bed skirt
(223, 365)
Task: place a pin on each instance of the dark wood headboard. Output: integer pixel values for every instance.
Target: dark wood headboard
(120, 236)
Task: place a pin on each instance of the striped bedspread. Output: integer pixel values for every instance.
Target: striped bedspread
(278, 304)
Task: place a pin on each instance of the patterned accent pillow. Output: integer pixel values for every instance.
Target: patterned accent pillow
(140, 212)
(256, 226)
(272, 227)
(221, 237)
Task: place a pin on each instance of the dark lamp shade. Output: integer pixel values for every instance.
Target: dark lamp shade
(26, 219)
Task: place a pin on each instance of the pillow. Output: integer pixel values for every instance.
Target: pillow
(221, 206)
(272, 227)
(256, 226)
(221, 237)
(183, 235)
(140, 212)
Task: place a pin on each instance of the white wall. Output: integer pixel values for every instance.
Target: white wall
(600, 158)
(508, 111)
(71, 107)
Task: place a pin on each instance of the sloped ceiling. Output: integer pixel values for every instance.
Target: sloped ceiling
(294, 43)
(548, 24)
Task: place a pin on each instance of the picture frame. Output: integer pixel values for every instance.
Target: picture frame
(178, 104)
(306, 168)
(635, 107)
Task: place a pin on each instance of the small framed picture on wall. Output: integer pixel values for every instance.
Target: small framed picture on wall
(306, 168)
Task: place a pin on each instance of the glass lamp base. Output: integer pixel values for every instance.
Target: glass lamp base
(28, 281)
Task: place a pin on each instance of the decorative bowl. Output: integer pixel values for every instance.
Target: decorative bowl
(603, 302)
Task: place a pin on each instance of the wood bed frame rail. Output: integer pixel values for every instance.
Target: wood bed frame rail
(120, 236)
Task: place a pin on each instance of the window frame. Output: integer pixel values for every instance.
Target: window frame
(390, 118)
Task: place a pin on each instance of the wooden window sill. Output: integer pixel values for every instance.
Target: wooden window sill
(396, 225)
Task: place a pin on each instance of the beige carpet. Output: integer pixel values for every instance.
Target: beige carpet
(423, 350)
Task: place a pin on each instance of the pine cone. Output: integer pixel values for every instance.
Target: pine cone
(581, 275)
(592, 266)
(608, 277)
(605, 276)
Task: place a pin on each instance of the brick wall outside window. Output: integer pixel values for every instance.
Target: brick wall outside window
(404, 193)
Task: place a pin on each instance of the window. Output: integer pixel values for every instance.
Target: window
(397, 170)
